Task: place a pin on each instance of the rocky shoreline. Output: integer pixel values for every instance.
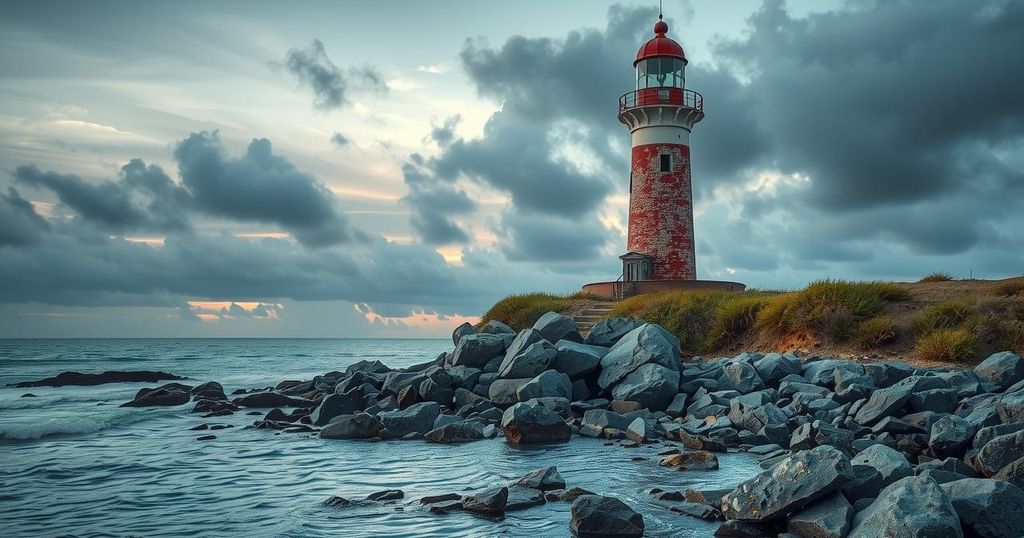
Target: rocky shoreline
(848, 448)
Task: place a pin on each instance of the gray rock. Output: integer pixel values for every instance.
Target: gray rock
(743, 377)
(546, 479)
(418, 418)
(988, 433)
(464, 431)
(496, 327)
(172, 394)
(596, 515)
(890, 463)
(608, 331)
(694, 460)
(651, 385)
(339, 404)
(437, 387)
(1000, 452)
(937, 400)
(269, 399)
(796, 481)
(1011, 407)
(773, 367)
(462, 330)
(367, 367)
(987, 508)
(504, 391)
(883, 403)
(489, 502)
(531, 423)
(528, 362)
(1012, 473)
(648, 343)
(577, 360)
(596, 420)
(950, 436)
(827, 518)
(475, 350)
(677, 408)
(464, 377)
(522, 497)
(818, 433)
(1001, 369)
(913, 507)
(360, 426)
(823, 372)
(396, 382)
(548, 384)
(554, 327)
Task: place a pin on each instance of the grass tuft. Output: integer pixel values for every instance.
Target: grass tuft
(877, 331)
(523, 310)
(937, 277)
(829, 307)
(942, 315)
(947, 345)
(1009, 288)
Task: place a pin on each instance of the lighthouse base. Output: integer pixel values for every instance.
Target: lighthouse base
(618, 290)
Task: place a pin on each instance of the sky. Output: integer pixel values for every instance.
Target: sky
(392, 168)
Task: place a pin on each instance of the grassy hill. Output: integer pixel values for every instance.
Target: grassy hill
(938, 319)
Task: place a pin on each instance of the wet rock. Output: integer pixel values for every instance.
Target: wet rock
(554, 327)
(742, 529)
(464, 431)
(206, 438)
(696, 460)
(211, 390)
(697, 510)
(165, 395)
(437, 388)
(1001, 369)
(386, 495)
(407, 397)
(639, 431)
(819, 433)
(270, 399)
(360, 426)
(531, 422)
(914, 506)
(549, 384)
(651, 385)
(596, 420)
(216, 407)
(987, 508)
(475, 350)
(489, 502)
(418, 418)
(338, 404)
(596, 515)
(444, 497)
(608, 331)
(795, 482)
(577, 360)
(827, 518)
(569, 495)
(522, 497)
(462, 330)
(64, 379)
(504, 391)
(646, 344)
(546, 479)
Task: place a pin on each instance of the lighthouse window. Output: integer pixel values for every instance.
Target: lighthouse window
(666, 162)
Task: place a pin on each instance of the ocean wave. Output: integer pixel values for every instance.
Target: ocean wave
(25, 430)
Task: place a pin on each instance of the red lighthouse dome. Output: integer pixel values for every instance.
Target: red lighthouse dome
(659, 45)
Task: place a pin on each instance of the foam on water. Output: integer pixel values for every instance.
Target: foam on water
(36, 428)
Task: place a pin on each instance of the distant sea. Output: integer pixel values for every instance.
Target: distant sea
(74, 463)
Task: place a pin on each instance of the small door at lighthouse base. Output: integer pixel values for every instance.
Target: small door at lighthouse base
(636, 266)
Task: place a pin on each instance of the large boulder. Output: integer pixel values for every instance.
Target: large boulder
(987, 508)
(475, 350)
(65, 379)
(773, 367)
(211, 390)
(504, 392)
(547, 384)
(339, 404)
(1001, 369)
(608, 331)
(950, 436)
(913, 507)
(527, 362)
(489, 502)
(496, 327)
(1012, 473)
(417, 418)
(577, 360)
(463, 431)
(531, 422)
(796, 481)
(270, 399)
(827, 518)
(648, 343)
(545, 479)
(462, 330)
(359, 426)
(164, 395)
(554, 327)
(743, 376)
(1000, 452)
(890, 463)
(883, 403)
(596, 515)
(651, 385)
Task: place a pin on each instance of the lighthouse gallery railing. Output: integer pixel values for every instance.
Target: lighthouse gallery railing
(661, 96)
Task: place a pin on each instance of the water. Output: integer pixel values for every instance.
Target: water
(73, 462)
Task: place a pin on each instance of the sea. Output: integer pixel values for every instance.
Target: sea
(73, 463)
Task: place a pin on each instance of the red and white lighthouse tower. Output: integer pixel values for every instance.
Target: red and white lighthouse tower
(660, 114)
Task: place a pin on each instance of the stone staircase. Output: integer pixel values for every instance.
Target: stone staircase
(586, 319)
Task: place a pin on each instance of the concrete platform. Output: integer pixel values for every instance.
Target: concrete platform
(618, 290)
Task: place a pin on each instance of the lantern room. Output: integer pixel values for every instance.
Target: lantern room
(661, 62)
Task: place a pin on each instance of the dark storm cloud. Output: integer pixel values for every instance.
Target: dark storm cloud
(545, 238)
(433, 204)
(339, 139)
(330, 84)
(260, 187)
(19, 222)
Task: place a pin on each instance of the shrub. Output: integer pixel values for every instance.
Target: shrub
(1009, 288)
(876, 331)
(937, 277)
(522, 311)
(828, 307)
(946, 345)
(735, 318)
(943, 315)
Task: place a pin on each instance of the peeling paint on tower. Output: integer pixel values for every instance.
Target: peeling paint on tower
(661, 211)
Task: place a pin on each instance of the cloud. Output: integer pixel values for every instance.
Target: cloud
(339, 139)
(546, 238)
(19, 222)
(433, 204)
(330, 84)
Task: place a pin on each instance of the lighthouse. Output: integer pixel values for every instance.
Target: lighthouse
(660, 114)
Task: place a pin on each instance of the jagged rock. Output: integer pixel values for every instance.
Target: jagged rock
(548, 384)
(407, 397)
(475, 350)
(531, 422)
(464, 377)
(338, 404)
(554, 327)
(890, 463)
(677, 408)
(577, 360)
(164, 395)
(418, 418)
(359, 426)
(1011, 407)
(950, 435)
(773, 367)
(608, 331)
(529, 361)
(596, 420)
(987, 508)
(827, 518)
(1001, 369)
(696, 460)
(488, 502)
(1000, 452)
(648, 343)
(651, 385)
(796, 481)
(936, 400)
(742, 529)
(883, 403)
(464, 431)
(496, 327)
(914, 506)
(504, 391)
(522, 497)
(367, 367)
(437, 388)
(462, 330)
(570, 494)
(545, 479)
(819, 433)
(823, 372)
(596, 515)
(743, 377)
(1012, 473)
(697, 510)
